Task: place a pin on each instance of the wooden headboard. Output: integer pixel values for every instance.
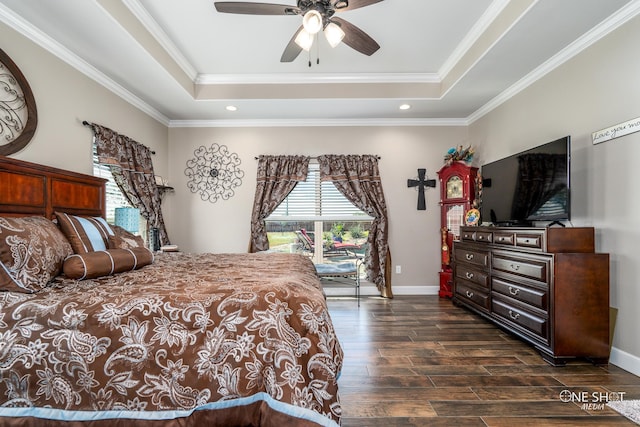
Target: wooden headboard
(31, 189)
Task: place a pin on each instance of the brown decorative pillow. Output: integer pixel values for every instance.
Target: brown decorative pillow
(104, 263)
(85, 233)
(32, 251)
(122, 239)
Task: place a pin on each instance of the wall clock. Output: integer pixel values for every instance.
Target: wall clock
(18, 114)
(454, 187)
(214, 173)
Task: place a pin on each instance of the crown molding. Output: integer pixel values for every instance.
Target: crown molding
(488, 49)
(389, 122)
(492, 12)
(139, 11)
(301, 78)
(38, 37)
(631, 10)
(628, 12)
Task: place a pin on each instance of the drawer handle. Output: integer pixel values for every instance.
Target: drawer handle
(468, 275)
(469, 257)
(515, 267)
(513, 315)
(514, 291)
(469, 294)
(480, 237)
(500, 239)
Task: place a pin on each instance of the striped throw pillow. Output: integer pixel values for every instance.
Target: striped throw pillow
(85, 233)
(105, 263)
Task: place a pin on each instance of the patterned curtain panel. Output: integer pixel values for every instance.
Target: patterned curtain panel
(132, 169)
(277, 176)
(358, 179)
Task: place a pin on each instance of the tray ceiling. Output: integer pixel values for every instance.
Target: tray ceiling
(184, 63)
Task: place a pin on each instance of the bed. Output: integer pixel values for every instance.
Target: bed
(187, 339)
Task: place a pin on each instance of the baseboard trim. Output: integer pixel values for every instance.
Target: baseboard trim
(415, 290)
(333, 290)
(625, 360)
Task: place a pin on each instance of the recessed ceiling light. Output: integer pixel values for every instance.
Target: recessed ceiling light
(231, 108)
(405, 106)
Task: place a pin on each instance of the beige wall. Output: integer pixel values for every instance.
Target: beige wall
(595, 90)
(64, 98)
(200, 226)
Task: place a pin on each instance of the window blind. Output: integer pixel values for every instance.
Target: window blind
(115, 198)
(316, 200)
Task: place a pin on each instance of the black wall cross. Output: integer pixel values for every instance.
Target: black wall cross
(421, 183)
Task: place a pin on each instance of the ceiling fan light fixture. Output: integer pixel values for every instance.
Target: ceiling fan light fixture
(333, 34)
(341, 4)
(312, 21)
(304, 39)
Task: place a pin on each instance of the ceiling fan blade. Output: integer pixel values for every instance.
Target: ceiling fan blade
(292, 50)
(355, 38)
(353, 4)
(249, 8)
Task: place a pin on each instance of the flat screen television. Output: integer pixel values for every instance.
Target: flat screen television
(533, 185)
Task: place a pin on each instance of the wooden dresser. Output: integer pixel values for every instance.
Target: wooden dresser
(545, 285)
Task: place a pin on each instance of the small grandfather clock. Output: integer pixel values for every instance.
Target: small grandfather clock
(457, 194)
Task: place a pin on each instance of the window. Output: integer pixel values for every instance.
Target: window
(115, 198)
(316, 219)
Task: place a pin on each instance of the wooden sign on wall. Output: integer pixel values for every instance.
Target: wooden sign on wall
(616, 131)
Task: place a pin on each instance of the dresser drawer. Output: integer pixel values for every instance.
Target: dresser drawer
(472, 275)
(520, 317)
(484, 236)
(535, 297)
(477, 236)
(504, 238)
(533, 267)
(529, 240)
(468, 236)
(471, 256)
(470, 294)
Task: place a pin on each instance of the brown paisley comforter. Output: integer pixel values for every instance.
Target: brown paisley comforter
(200, 339)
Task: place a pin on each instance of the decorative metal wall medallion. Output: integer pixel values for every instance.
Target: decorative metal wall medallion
(214, 173)
(18, 115)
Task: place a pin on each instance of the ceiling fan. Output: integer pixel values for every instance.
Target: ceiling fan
(317, 15)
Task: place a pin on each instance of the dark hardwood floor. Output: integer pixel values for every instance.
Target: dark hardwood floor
(420, 360)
